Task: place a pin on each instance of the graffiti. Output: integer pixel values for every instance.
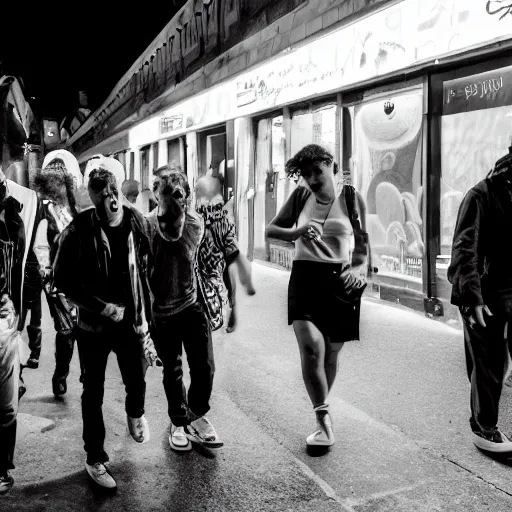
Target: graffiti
(503, 7)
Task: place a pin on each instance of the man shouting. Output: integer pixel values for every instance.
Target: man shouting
(100, 265)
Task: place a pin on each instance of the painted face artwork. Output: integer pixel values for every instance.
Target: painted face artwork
(173, 195)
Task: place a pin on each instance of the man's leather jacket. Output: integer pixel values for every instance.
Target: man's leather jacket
(80, 270)
(480, 269)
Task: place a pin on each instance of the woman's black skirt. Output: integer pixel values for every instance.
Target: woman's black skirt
(312, 296)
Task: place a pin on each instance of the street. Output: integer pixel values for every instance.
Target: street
(400, 409)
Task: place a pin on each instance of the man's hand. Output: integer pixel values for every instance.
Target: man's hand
(476, 315)
(114, 312)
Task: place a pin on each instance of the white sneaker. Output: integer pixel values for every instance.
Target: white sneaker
(138, 428)
(201, 431)
(178, 440)
(98, 472)
(496, 442)
(324, 435)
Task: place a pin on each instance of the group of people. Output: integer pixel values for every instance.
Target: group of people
(149, 287)
(142, 286)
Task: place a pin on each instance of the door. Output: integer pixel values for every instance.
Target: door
(269, 180)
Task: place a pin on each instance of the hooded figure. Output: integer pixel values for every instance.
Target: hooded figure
(56, 185)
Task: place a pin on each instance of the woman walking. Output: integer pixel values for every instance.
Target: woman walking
(328, 273)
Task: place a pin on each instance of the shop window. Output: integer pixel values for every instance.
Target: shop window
(212, 151)
(174, 153)
(144, 167)
(471, 143)
(132, 165)
(315, 125)
(154, 148)
(387, 170)
(272, 187)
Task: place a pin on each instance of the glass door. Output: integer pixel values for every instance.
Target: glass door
(270, 186)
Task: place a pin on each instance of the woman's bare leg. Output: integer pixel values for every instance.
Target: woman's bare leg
(312, 353)
(332, 351)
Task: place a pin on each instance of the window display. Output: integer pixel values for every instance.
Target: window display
(387, 143)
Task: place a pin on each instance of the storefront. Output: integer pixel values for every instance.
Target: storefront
(471, 130)
(389, 97)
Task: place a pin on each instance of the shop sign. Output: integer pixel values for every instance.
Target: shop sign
(478, 92)
(171, 123)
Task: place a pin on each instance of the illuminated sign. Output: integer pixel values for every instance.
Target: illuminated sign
(171, 123)
(477, 92)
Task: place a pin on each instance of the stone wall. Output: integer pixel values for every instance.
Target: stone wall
(207, 42)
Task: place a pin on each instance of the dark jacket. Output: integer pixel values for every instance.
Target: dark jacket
(480, 268)
(80, 269)
(12, 252)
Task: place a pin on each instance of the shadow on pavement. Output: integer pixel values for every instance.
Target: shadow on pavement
(73, 492)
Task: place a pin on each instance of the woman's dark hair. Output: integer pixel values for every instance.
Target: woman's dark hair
(306, 156)
(48, 180)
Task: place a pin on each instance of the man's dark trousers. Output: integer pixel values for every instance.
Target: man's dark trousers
(94, 351)
(190, 329)
(486, 359)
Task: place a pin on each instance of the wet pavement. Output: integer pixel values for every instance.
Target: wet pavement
(399, 407)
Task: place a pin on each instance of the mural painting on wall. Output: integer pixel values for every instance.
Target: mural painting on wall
(387, 168)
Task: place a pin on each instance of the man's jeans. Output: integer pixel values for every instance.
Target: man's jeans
(9, 375)
(94, 350)
(190, 329)
(486, 358)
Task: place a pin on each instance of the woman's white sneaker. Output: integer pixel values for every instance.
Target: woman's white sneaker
(324, 435)
(98, 472)
(178, 440)
(138, 428)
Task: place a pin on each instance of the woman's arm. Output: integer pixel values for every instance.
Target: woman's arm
(284, 225)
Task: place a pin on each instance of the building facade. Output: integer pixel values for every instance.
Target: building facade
(412, 97)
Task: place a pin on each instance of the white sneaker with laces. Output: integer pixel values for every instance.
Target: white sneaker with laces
(178, 440)
(139, 429)
(98, 472)
(201, 431)
(324, 435)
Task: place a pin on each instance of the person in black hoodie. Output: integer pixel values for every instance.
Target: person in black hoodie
(101, 267)
(482, 289)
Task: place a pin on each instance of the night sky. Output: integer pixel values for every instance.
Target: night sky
(59, 50)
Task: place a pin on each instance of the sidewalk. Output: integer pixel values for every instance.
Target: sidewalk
(399, 406)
